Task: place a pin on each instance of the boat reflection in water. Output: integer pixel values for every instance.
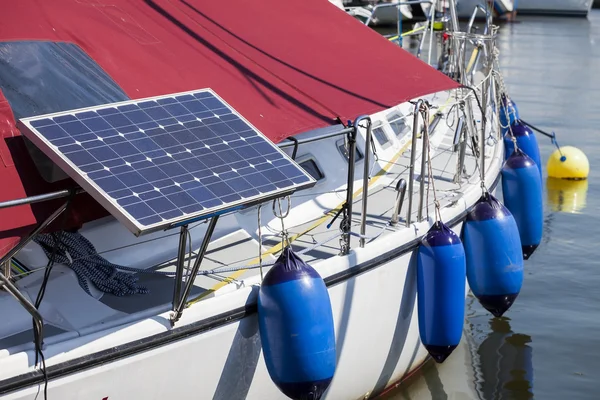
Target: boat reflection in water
(503, 363)
(491, 363)
(447, 381)
(566, 195)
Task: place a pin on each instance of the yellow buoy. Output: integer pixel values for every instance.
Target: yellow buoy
(568, 163)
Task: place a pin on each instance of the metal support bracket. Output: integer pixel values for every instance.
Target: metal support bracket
(179, 301)
(13, 290)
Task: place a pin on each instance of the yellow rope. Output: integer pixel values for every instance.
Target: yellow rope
(408, 33)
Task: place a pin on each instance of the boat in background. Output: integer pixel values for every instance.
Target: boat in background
(174, 177)
(466, 8)
(377, 13)
(567, 8)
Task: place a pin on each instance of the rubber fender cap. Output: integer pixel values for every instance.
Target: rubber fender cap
(497, 304)
(440, 353)
(528, 251)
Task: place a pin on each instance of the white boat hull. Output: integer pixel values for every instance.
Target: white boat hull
(555, 7)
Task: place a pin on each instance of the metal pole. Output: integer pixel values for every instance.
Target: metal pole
(347, 220)
(183, 232)
(37, 230)
(39, 198)
(399, 27)
(453, 17)
(413, 151)
(401, 190)
(484, 99)
(13, 290)
(192, 277)
(432, 18)
(462, 147)
(425, 139)
(365, 192)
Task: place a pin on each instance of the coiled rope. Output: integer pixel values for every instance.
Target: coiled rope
(78, 253)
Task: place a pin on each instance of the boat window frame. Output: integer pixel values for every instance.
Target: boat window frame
(308, 157)
(381, 128)
(394, 116)
(339, 144)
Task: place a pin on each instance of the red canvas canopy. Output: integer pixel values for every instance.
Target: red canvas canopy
(288, 67)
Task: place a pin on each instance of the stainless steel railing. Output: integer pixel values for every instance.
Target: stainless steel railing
(413, 155)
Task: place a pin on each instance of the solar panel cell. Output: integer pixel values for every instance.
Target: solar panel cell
(161, 161)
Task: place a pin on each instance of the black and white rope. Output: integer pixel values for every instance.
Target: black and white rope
(78, 253)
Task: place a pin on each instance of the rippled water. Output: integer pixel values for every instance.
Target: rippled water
(548, 344)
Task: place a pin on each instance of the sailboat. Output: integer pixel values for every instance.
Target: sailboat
(167, 164)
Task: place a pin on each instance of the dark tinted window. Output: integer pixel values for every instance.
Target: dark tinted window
(39, 77)
(341, 144)
(44, 77)
(312, 168)
(398, 124)
(380, 136)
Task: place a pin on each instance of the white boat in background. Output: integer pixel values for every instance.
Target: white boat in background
(579, 8)
(378, 13)
(465, 8)
(391, 148)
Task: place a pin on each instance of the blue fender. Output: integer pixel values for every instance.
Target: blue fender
(526, 141)
(441, 275)
(494, 255)
(296, 328)
(522, 191)
(507, 106)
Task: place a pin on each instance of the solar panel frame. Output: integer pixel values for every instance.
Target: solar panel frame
(109, 202)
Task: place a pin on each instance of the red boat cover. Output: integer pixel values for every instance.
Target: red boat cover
(288, 67)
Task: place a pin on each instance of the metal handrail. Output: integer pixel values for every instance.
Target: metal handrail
(425, 139)
(39, 198)
(365, 191)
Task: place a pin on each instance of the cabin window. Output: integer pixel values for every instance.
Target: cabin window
(398, 124)
(381, 136)
(343, 148)
(312, 168)
(40, 77)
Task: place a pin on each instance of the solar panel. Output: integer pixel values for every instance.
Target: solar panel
(157, 162)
